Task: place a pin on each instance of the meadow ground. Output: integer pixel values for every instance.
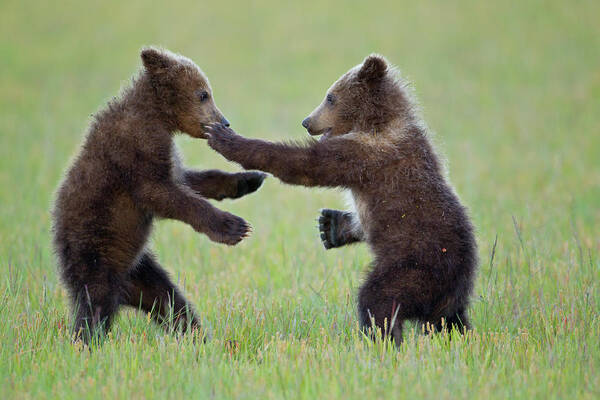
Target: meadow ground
(513, 94)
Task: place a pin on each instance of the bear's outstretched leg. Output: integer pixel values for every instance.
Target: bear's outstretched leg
(168, 199)
(95, 301)
(150, 289)
(219, 185)
(339, 228)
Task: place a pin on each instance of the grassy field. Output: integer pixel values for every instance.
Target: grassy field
(512, 93)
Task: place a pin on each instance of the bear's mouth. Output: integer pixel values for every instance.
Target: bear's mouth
(324, 134)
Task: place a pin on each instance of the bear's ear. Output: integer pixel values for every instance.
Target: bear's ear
(155, 61)
(373, 69)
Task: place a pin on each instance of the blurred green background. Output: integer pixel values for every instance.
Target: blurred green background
(511, 91)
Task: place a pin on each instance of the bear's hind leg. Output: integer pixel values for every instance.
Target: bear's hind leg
(458, 321)
(150, 289)
(378, 312)
(95, 302)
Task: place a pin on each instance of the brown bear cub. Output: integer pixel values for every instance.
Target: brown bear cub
(374, 144)
(127, 173)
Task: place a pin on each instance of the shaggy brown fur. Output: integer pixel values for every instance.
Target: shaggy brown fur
(128, 172)
(374, 145)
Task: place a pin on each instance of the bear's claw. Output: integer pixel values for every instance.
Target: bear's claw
(230, 230)
(328, 228)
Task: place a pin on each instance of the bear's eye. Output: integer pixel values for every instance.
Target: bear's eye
(203, 95)
(330, 99)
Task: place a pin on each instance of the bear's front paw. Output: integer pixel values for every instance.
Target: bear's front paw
(228, 229)
(220, 137)
(328, 226)
(249, 182)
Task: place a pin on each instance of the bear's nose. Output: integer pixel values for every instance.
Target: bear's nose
(225, 122)
(305, 123)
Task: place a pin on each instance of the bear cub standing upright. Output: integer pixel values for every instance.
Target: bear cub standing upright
(373, 143)
(127, 173)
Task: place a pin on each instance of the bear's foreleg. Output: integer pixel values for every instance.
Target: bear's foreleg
(219, 185)
(332, 163)
(339, 228)
(169, 200)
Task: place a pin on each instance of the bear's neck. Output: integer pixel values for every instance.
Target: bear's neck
(142, 105)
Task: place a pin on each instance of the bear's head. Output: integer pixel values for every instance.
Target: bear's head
(182, 91)
(363, 100)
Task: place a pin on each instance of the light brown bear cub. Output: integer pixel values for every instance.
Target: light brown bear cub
(373, 143)
(127, 173)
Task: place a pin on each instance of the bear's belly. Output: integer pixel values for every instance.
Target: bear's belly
(358, 205)
(129, 229)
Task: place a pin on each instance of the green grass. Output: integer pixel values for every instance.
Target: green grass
(513, 94)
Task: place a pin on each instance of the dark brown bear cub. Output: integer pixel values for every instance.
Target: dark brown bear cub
(126, 174)
(373, 144)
